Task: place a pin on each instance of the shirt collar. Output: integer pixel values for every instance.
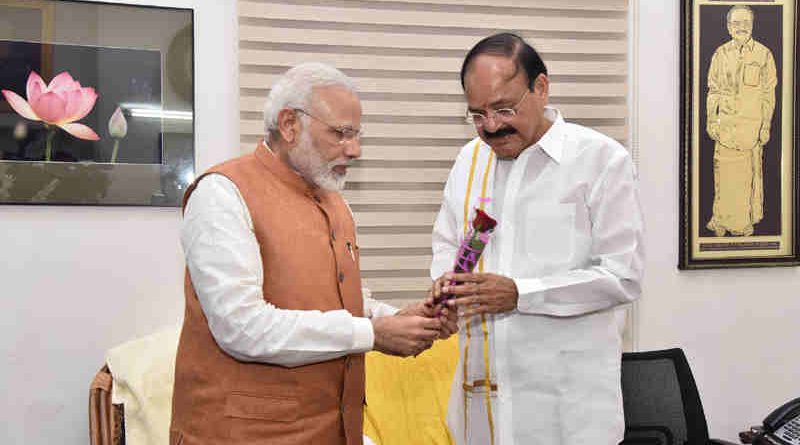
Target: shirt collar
(748, 45)
(550, 142)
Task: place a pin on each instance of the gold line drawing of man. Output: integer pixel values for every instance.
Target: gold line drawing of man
(740, 104)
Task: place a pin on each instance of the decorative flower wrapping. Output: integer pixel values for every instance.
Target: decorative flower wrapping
(472, 246)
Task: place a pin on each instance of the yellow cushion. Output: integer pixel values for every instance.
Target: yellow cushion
(407, 397)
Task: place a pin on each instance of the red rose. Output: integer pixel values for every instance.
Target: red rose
(483, 222)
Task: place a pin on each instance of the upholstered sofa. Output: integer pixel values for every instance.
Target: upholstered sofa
(131, 396)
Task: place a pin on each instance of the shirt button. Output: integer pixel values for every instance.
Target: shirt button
(341, 277)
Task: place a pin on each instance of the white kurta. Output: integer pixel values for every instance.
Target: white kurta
(570, 235)
(224, 261)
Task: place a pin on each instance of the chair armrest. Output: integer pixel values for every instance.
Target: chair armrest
(642, 441)
(647, 435)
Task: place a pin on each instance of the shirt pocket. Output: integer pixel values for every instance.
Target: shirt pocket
(752, 74)
(273, 407)
(550, 232)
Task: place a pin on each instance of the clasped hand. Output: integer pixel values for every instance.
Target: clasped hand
(414, 328)
(476, 293)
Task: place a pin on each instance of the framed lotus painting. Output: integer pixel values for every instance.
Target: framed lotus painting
(739, 133)
(97, 104)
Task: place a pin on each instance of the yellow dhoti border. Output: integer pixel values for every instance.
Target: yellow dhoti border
(486, 382)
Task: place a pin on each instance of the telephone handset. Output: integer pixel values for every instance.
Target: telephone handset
(782, 426)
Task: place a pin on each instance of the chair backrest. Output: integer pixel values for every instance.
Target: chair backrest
(660, 396)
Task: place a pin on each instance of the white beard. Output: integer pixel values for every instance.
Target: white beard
(307, 161)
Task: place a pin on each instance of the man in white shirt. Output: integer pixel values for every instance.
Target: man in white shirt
(275, 329)
(540, 344)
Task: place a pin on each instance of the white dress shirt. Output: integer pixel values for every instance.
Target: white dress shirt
(225, 266)
(569, 234)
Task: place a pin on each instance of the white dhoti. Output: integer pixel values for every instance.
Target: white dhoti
(738, 190)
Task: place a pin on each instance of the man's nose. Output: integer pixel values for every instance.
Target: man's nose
(491, 123)
(352, 148)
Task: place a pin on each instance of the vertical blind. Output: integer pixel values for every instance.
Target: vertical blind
(405, 57)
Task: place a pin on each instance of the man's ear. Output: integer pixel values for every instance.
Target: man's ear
(541, 86)
(288, 125)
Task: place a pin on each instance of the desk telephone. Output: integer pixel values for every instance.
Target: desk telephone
(782, 426)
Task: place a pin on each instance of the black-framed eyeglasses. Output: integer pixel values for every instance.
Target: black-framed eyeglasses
(346, 133)
(479, 119)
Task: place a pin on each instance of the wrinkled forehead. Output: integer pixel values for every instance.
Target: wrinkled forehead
(491, 79)
(741, 15)
(335, 101)
(490, 70)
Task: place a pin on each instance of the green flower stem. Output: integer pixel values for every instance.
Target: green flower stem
(116, 149)
(48, 145)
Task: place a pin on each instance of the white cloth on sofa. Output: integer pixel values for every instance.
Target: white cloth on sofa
(143, 371)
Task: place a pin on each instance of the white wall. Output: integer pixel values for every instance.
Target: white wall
(738, 327)
(75, 281)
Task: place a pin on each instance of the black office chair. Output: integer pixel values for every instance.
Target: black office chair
(662, 405)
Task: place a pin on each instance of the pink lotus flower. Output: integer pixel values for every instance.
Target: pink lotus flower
(60, 103)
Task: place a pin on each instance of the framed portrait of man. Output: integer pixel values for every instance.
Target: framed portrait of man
(739, 124)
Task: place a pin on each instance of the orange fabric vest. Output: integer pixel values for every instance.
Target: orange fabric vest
(310, 259)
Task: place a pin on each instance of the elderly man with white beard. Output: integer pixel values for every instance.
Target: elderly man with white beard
(275, 327)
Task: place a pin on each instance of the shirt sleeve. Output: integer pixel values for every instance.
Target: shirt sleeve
(770, 80)
(616, 262)
(713, 96)
(224, 262)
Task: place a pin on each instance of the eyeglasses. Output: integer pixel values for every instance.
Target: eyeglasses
(346, 134)
(479, 119)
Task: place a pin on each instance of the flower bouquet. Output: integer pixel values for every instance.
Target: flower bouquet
(472, 246)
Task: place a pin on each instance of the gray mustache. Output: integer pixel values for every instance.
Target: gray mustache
(338, 163)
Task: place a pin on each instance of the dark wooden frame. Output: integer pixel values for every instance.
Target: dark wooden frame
(742, 250)
(99, 182)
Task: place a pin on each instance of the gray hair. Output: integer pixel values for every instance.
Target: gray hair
(294, 88)
(737, 8)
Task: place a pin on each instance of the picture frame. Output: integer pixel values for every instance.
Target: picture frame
(739, 132)
(93, 111)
